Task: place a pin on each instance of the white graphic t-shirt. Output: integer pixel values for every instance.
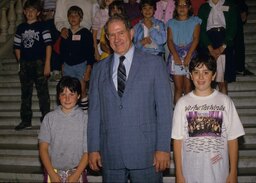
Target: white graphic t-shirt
(205, 124)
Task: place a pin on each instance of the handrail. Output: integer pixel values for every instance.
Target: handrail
(11, 16)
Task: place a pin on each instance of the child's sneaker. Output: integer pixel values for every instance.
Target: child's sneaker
(22, 126)
(56, 75)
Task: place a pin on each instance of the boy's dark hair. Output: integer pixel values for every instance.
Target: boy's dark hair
(37, 4)
(208, 61)
(75, 9)
(188, 3)
(119, 5)
(121, 18)
(73, 84)
(148, 2)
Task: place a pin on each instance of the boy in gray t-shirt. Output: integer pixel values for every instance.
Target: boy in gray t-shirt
(63, 135)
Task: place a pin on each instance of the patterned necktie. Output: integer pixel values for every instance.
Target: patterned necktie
(121, 76)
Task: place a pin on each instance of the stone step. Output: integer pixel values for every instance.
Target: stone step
(249, 27)
(16, 84)
(250, 3)
(248, 34)
(242, 86)
(12, 121)
(250, 46)
(15, 105)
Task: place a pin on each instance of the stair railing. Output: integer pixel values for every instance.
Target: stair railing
(10, 17)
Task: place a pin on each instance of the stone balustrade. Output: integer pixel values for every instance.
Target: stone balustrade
(11, 16)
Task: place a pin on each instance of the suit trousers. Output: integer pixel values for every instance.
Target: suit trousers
(148, 175)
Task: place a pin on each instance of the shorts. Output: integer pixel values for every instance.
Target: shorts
(221, 61)
(76, 71)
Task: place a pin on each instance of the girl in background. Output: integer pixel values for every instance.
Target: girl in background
(182, 40)
(149, 33)
(98, 22)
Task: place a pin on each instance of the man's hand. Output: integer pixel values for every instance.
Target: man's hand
(95, 161)
(161, 160)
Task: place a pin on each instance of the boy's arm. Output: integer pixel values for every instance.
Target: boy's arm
(44, 155)
(87, 73)
(233, 160)
(177, 144)
(17, 54)
(82, 165)
(47, 66)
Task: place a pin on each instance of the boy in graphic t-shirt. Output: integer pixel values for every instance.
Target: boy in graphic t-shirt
(205, 130)
(32, 47)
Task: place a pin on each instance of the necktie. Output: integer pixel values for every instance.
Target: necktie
(121, 76)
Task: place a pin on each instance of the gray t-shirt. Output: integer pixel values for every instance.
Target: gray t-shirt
(66, 135)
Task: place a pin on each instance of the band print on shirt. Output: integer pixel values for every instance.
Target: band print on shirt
(205, 124)
(205, 121)
(29, 38)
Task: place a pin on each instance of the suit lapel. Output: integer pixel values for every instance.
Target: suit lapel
(133, 72)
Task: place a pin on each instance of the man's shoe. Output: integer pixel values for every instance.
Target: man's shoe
(23, 126)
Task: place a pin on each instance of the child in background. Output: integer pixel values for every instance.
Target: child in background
(164, 10)
(116, 7)
(77, 52)
(218, 31)
(149, 33)
(196, 4)
(132, 10)
(49, 7)
(98, 23)
(63, 136)
(182, 40)
(205, 130)
(32, 46)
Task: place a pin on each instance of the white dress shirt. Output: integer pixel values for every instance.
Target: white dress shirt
(127, 63)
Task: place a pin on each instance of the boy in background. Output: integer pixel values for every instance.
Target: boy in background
(205, 130)
(77, 51)
(32, 46)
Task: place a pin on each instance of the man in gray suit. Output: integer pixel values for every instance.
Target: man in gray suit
(129, 125)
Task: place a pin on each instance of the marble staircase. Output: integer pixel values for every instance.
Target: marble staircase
(19, 159)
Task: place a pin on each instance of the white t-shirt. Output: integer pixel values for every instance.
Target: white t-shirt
(205, 124)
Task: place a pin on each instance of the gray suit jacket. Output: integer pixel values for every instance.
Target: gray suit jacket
(127, 131)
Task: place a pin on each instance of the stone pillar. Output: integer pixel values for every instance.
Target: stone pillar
(19, 12)
(12, 18)
(3, 26)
